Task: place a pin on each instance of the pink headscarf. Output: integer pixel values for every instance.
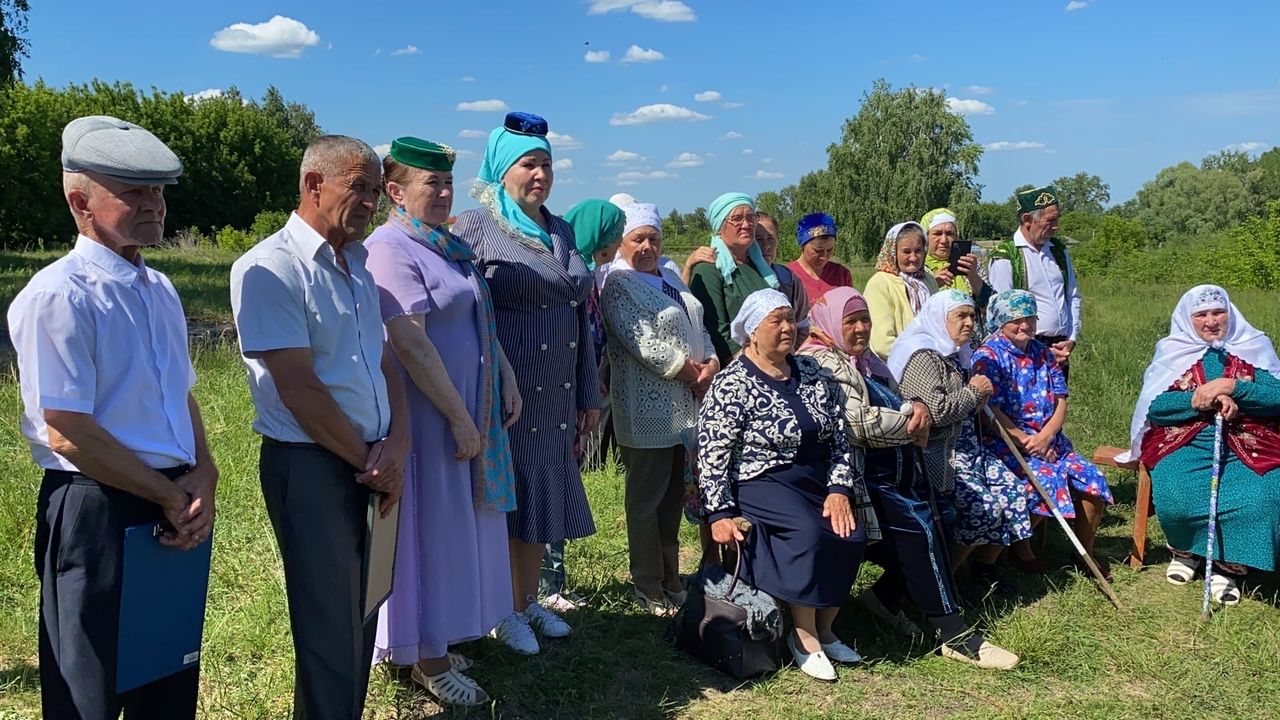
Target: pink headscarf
(826, 329)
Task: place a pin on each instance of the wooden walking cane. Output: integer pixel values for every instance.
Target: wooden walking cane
(1053, 507)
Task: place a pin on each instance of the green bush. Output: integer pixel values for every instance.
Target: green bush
(268, 222)
(1113, 237)
(229, 238)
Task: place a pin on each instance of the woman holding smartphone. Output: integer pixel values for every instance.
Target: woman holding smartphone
(950, 259)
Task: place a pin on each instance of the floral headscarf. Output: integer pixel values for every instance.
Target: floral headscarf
(918, 290)
(1008, 306)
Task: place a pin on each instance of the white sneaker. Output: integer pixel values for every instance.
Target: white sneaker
(564, 602)
(815, 665)
(841, 653)
(514, 632)
(546, 622)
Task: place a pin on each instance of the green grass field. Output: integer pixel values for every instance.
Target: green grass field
(1081, 658)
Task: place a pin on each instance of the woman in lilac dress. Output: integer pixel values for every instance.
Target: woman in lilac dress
(452, 580)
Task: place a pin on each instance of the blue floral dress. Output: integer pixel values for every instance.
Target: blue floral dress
(986, 489)
(1027, 386)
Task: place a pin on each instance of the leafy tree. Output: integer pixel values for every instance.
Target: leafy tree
(1268, 164)
(987, 221)
(900, 156)
(1082, 192)
(1187, 200)
(1113, 238)
(13, 46)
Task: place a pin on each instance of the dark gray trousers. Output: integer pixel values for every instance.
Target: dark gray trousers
(319, 514)
(79, 554)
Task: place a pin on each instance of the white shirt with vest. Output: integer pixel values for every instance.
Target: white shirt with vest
(99, 335)
(1057, 297)
(289, 292)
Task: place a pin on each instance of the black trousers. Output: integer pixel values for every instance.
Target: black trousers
(1050, 340)
(913, 552)
(79, 553)
(319, 514)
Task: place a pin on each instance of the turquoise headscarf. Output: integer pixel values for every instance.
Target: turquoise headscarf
(597, 224)
(504, 150)
(718, 212)
(1008, 306)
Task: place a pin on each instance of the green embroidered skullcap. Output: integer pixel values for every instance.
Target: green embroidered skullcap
(423, 154)
(1037, 199)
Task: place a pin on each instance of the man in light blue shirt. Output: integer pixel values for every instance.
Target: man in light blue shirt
(331, 412)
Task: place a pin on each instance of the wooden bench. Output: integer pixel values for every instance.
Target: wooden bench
(1106, 455)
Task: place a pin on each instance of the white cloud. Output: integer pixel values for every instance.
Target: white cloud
(1244, 147)
(466, 78)
(562, 164)
(596, 56)
(382, 149)
(464, 153)
(279, 37)
(659, 10)
(660, 112)
(917, 57)
(664, 88)
(968, 107)
(1014, 145)
(979, 90)
(482, 106)
(1022, 103)
(1076, 5)
(637, 54)
(622, 157)
(765, 175)
(407, 50)
(733, 105)
(731, 135)
(766, 161)
(707, 96)
(472, 134)
(634, 176)
(748, 151)
(560, 141)
(206, 94)
(686, 160)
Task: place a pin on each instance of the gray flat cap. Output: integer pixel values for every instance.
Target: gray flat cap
(119, 150)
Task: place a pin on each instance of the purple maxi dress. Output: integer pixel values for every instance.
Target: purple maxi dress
(453, 574)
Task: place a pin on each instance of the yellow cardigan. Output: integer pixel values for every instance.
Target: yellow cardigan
(890, 310)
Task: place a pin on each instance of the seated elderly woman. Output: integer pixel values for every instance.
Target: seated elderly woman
(772, 448)
(1213, 362)
(1030, 401)
(737, 270)
(900, 285)
(662, 363)
(981, 500)
(912, 552)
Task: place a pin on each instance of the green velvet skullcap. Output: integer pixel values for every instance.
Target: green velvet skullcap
(423, 154)
(1037, 199)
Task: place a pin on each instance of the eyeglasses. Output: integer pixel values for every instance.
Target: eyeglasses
(748, 219)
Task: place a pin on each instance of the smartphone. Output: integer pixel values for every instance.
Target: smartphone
(959, 248)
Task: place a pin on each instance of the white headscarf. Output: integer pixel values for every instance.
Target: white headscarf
(640, 215)
(1183, 348)
(754, 310)
(928, 331)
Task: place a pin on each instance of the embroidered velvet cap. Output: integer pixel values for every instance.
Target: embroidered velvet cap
(422, 154)
(119, 150)
(524, 123)
(814, 226)
(1037, 199)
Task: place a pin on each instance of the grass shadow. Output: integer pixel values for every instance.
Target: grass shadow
(20, 677)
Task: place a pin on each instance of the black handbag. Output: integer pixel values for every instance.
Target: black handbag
(718, 630)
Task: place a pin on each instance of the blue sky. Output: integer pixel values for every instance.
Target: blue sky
(749, 94)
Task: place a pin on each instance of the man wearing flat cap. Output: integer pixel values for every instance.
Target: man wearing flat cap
(106, 381)
(1036, 261)
(331, 411)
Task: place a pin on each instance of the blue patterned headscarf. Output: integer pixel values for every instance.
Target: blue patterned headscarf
(718, 213)
(1008, 306)
(504, 150)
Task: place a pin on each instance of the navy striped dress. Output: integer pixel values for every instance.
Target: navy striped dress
(540, 302)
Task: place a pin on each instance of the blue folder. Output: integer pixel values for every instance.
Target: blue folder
(162, 600)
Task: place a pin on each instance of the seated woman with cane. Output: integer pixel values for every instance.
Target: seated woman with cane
(772, 448)
(1030, 402)
(912, 550)
(1213, 362)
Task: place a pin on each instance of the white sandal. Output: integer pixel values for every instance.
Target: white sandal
(451, 688)
(460, 662)
(1181, 570)
(1224, 589)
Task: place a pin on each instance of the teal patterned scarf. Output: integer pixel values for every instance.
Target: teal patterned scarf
(492, 479)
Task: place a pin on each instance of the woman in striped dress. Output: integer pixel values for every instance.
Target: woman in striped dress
(540, 286)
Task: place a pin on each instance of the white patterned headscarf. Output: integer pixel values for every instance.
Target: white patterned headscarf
(754, 310)
(1183, 348)
(640, 215)
(928, 331)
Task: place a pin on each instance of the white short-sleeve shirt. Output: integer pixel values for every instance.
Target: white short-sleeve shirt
(289, 292)
(1057, 297)
(98, 335)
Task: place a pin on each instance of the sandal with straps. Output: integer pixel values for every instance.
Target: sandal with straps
(1181, 570)
(1223, 588)
(452, 688)
(460, 662)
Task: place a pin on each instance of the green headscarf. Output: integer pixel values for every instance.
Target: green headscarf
(504, 150)
(597, 224)
(934, 264)
(717, 213)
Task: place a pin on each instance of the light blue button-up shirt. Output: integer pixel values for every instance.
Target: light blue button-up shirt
(98, 335)
(289, 292)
